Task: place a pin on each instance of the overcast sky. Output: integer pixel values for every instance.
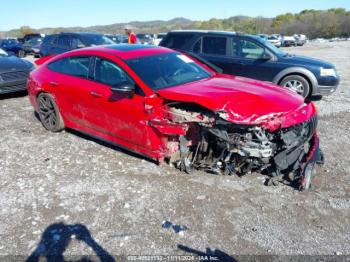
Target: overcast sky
(65, 13)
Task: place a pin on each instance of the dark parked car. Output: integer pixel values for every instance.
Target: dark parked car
(27, 37)
(13, 73)
(12, 46)
(63, 42)
(253, 57)
(32, 47)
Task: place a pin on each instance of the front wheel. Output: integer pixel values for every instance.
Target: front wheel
(297, 84)
(49, 114)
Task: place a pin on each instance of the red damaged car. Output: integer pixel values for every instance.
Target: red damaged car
(171, 107)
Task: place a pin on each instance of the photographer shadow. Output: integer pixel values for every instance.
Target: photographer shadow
(56, 239)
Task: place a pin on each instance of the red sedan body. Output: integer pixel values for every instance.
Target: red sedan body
(173, 122)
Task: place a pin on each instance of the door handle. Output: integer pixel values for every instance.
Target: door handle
(54, 83)
(95, 94)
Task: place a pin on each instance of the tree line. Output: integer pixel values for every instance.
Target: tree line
(313, 23)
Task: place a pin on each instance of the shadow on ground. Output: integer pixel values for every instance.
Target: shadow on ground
(13, 95)
(56, 239)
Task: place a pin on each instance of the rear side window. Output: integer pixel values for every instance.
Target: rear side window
(176, 41)
(64, 41)
(73, 66)
(214, 45)
(109, 73)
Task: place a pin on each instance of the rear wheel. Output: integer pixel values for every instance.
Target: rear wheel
(297, 84)
(49, 114)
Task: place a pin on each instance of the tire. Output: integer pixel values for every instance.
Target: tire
(49, 114)
(297, 84)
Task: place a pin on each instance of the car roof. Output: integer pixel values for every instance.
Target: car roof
(73, 33)
(206, 32)
(123, 51)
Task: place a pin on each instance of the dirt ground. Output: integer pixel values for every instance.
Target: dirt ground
(121, 201)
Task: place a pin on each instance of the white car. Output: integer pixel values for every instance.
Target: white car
(301, 39)
(275, 41)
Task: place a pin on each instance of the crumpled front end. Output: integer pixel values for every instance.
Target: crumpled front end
(211, 143)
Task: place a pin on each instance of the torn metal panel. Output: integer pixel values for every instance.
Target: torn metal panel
(209, 142)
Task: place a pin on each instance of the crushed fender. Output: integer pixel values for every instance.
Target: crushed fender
(211, 141)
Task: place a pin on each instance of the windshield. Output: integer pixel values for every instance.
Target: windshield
(3, 53)
(166, 70)
(34, 41)
(91, 39)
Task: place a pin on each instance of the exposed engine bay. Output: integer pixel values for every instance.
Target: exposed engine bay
(218, 146)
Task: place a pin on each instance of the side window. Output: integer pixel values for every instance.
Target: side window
(74, 66)
(109, 73)
(214, 45)
(250, 49)
(76, 43)
(63, 41)
(56, 66)
(197, 46)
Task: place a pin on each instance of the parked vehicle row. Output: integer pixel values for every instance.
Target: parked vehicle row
(21, 49)
(254, 57)
(63, 42)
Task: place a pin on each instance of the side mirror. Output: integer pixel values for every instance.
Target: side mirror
(266, 56)
(124, 88)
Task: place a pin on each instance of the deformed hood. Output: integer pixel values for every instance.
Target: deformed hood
(243, 100)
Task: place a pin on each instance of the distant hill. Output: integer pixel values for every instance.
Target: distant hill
(155, 26)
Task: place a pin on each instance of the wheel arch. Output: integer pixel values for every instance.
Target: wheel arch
(300, 71)
(55, 100)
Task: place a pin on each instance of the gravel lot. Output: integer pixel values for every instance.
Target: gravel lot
(122, 199)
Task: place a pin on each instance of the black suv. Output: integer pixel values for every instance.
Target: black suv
(63, 42)
(254, 57)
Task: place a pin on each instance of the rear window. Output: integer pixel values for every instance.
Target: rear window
(74, 66)
(176, 41)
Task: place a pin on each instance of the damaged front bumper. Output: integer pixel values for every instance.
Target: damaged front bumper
(204, 140)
